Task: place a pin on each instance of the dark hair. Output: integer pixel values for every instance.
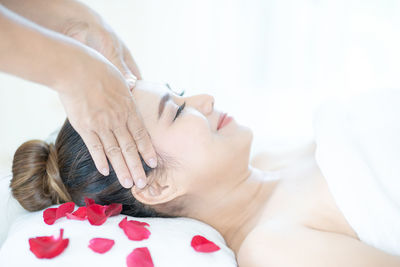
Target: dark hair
(47, 174)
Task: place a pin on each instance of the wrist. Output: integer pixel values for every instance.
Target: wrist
(73, 67)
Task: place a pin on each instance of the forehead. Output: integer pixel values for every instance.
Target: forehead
(147, 96)
(146, 89)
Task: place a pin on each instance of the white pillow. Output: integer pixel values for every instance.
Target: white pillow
(9, 206)
(169, 243)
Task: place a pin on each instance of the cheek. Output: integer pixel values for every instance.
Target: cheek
(188, 146)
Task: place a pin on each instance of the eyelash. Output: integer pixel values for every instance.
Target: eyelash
(181, 107)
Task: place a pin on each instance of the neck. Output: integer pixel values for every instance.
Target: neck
(237, 212)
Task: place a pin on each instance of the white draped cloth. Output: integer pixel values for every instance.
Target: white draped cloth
(358, 152)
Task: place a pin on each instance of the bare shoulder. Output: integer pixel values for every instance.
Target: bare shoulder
(252, 250)
(260, 244)
(276, 244)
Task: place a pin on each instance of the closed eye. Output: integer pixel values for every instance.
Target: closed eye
(181, 107)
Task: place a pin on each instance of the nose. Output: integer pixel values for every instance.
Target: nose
(204, 103)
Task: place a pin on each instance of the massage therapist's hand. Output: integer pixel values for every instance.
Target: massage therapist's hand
(94, 93)
(101, 109)
(96, 34)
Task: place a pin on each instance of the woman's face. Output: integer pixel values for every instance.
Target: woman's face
(204, 156)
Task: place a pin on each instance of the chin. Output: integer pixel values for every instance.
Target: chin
(240, 153)
(245, 132)
(247, 138)
(243, 141)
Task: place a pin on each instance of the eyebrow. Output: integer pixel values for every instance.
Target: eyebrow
(161, 106)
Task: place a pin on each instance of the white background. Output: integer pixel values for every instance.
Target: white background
(268, 63)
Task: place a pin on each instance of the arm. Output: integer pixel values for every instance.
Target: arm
(78, 21)
(27, 50)
(88, 86)
(54, 15)
(304, 247)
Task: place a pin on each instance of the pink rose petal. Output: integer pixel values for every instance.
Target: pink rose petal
(139, 223)
(101, 245)
(139, 257)
(134, 230)
(202, 244)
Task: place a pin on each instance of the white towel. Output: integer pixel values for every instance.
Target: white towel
(169, 243)
(358, 152)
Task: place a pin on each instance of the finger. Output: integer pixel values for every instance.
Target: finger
(131, 155)
(96, 150)
(126, 72)
(142, 139)
(114, 154)
(130, 79)
(130, 63)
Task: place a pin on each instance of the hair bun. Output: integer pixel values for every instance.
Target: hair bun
(36, 182)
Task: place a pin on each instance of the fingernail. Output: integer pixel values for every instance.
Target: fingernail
(105, 172)
(128, 183)
(141, 183)
(152, 163)
(131, 84)
(131, 80)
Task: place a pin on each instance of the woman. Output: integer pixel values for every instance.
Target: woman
(278, 214)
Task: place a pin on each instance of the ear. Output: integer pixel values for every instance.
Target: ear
(155, 193)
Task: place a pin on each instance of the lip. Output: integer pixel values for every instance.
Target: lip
(224, 119)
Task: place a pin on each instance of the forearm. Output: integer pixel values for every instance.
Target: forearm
(74, 19)
(35, 53)
(57, 15)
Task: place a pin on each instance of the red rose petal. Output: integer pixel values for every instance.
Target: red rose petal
(96, 214)
(138, 223)
(139, 257)
(201, 244)
(101, 245)
(123, 222)
(89, 201)
(79, 214)
(113, 209)
(134, 230)
(49, 215)
(48, 246)
(65, 208)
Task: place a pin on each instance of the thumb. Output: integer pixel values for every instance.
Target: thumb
(126, 72)
(130, 79)
(130, 62)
